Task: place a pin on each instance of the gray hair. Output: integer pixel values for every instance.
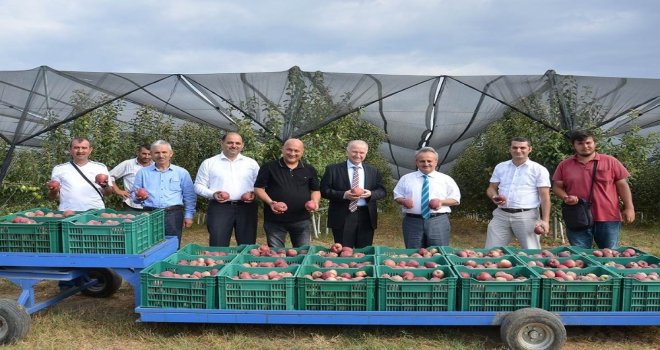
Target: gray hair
(161, 143)
(427, 150)
(356, 142)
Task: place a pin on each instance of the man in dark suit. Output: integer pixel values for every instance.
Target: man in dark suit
(353, 189)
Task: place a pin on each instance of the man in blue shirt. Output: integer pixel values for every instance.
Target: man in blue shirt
(168, 187)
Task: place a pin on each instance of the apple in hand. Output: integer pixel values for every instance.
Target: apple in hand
(357, 191)
(434, 203)
(247, 197)
(101, 179)
(407, 203)
(499, 199)
(53, 185)
(280, 207)
(539, 230)
(310, 205)
(141, 194)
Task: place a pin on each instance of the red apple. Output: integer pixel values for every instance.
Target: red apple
(336, 248)
(434, 203)
(141, 193)
(247, 197)
(101, 179)
(310, 205)
(357, 191)
(504, 264)
(498, 199)
(539, 230)
(223, 195)
(280, 207)
(407, 203)
(53, 185)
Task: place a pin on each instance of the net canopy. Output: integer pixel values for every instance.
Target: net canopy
(443, 112)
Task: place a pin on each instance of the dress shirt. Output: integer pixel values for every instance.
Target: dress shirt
(520, 184)
(219, 173)
(441, 186)
(167, 188)
(361, 202)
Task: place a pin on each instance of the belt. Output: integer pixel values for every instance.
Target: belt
(232, 203)
(170, 208)
(417, 216)
(511, 210)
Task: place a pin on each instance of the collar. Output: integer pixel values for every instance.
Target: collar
(224, 157)
(596, 157)
(350, 165)
(140, 164)
(421, 174)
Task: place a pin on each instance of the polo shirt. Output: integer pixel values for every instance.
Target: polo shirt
(576, 178)
(291, 186)
(520, 184)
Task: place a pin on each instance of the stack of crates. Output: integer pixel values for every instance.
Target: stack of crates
(44, 236)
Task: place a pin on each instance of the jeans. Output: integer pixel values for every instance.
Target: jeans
(418, 233)
(604, 233)
(276, 233)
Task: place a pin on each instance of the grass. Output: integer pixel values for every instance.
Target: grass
(83, 323)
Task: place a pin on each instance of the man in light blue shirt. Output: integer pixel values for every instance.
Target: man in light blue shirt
(168, 187)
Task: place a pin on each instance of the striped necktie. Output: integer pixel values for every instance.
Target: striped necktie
(426, 210)
(352, 206)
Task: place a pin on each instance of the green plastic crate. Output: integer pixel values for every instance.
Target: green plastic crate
(125, 238)
(611, 262)
(197, 249)
(581, 295)
(256, 294)
(247, 259)
(589, 251)
(170, 292)
(498, 296)
(42, 237)
(588, 262)
(336, 295)
(416, 295)
(370, 250)
(220, 260)
(454, 251)
(303, 250)
(531, 252)
(438, 259)
(407, 252)
(317, 261)
(156, 221)
(640, 295)
(458, 261)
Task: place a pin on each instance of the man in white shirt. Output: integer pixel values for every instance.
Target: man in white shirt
(76, 183)
(426, 221)
(518, 186)
(126, 171)
(227, 181)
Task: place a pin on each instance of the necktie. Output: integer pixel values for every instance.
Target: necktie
(426, 211)
(352, 206)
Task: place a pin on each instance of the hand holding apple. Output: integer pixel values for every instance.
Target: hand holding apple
(279, 207)
(221, 196)
(141, 194)
(407, 203)
(53, 185)
(435, 203)
(311, 206)
(101, 179)
(570, 200)
(499, 199)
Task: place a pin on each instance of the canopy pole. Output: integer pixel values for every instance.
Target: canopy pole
(566, 118)
(6, 162)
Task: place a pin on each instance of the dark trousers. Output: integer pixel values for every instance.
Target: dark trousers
(357, 231)
(223, 218)
(276, 233)
(174, 223)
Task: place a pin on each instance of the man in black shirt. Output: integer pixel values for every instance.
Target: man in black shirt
(285, 186)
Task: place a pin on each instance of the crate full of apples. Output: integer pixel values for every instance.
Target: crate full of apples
(431, 289)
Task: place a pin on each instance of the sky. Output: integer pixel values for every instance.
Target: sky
(611, 38)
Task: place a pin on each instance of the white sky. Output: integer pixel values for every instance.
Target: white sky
(617, 38)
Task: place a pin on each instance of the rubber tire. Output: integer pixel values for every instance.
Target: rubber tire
(532, 329)
(107, 285)
(15, 322)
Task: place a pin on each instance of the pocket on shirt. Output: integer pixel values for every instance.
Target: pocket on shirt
(175, 185)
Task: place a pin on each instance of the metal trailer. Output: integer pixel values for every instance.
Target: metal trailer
(95, 275)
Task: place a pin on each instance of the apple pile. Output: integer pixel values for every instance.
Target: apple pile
(558, 264)
(502, 264)
(499, 276)
(547, 254)
(193, 275)
(407, 264)
(645, 277)
(568, 276)
(333, 275)
(421, 253)
(210, 253)
(436, 275)
(337, 250)
(271, 275)
(279, 262)
(468, 253)
(641, 264)
(201, 262)
(97, 222)
(265, 250)
(22, 220)
(342, 265)
(118, 215)
(611, 253)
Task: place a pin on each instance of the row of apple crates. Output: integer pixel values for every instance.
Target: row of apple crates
(168, 284)
(100, 231)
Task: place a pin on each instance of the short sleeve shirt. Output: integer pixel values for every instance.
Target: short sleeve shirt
(76, 193)
(520, 184)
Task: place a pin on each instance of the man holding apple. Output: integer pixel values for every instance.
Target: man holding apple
(126, 171)
(353, 188)
(166, 186)
(518, 186)
(426, 196)
(81, 183)
(227, 181)
(289, 189)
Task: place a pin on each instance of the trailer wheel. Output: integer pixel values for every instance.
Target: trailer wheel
(14, 321)
(108, 283)
(533, 329)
